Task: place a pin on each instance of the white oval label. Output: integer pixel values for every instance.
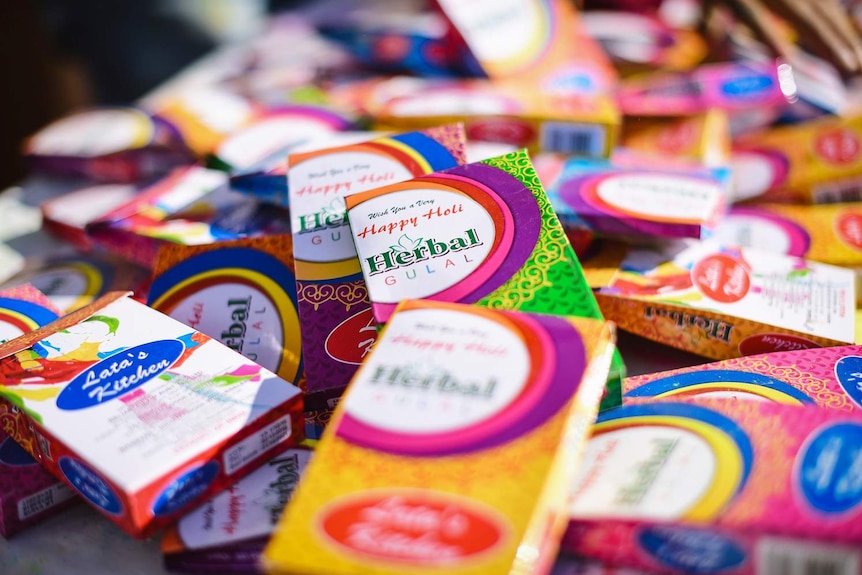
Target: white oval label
(93, 133)
(661, 196)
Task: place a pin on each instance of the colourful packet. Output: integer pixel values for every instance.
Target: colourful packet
(723, 302)
(831, 234)
(639, 201)
(408, 476)
(731, 86)
(703, 137)
(539, 43)
(141, 415)
(28, 493)
(192, 206)
(826, 376)
(240, 292)
(813, 162)
(335, 316)
(256, 156)
(66, 217)
(483, 233)
(229, 532)
(106, 145)
(584, 124)
(721, 486)
(72, 281)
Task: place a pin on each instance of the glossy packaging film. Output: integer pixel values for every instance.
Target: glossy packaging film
(28, 493)
(721, 486)
(140, 414)
(227, 534)
(722, 302)
(453, 449)
(338, 328)
(484, 233)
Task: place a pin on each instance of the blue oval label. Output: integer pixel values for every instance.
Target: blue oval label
(91, 485)
(829, 468)
(691, 550)
(188, 487)
(13, 454)
(119, 374)
(747, 86)
(848, 372)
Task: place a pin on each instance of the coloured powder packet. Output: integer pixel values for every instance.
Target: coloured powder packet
(720, 486)
(825, 376)
(229, 532)
(409, 474)
(723, 302)
(335, 316)
(140, 414)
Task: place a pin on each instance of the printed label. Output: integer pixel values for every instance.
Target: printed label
(266, 137)
(829, 469)
(848, 372)
(848, 228)
(416, 243)
(660, 197)
(14, 455)
(185, 489)
(839, 146)
(753, 174)
(249, 508)
(256, 444)
(648, 472)
(722, 278)
(748, 87)
(753, 230)
(43, 500)
(351, 340)
(318, 187)
(425, 380)
(797, 557)
(93, 133)
(67, 286)
(452, 102)
(91, 485)
(419, 527)
(769, 342)
(240, 316)
(119, 374)
(691, 550)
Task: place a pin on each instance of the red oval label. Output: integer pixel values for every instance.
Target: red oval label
(421, 527)
(351, 340)
(848, 227)
(839, 146)
(722, 278)
(505, 130)
(770, 342)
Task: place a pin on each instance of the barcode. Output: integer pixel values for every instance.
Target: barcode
(251, 447)
(568, 138)
(793, 557)
(834, 192)
(45, 499)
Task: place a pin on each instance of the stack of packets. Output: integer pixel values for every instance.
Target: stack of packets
(345, 297)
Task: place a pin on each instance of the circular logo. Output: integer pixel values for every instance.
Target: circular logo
(839, 146)
(848, 372)
(185, 489)
(827, 469)
(721, 277)
(691, 550)
(351, 340)
(420, 527)
(444, 381)
(848, 228)
(91, 485)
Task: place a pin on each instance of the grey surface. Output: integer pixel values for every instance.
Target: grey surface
(78, 541)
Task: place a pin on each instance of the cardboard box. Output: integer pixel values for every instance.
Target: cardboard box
(453, 448)
(334, 313)
(230, 531)
(718, 485)
(703, 137)
(141, 415)
(826, 377)
(109, 144)
(723, 302)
